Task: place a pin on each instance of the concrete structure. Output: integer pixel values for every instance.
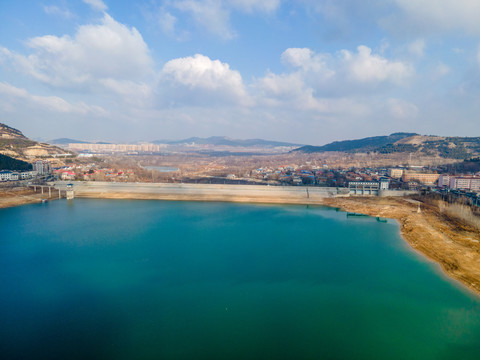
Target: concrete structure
(424, 178)
(204, 192)
(444, 180)
(115, 147)
(363, 187)
(5, 175)
(8, 175)
(397, 193)
(70, 192)
(395, 173)
(42, 167)
(384, 183)
(471, 183)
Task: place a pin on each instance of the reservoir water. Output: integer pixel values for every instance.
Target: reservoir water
(117, 279)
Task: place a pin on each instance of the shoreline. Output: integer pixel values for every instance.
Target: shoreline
(454, 246)
(20, 196)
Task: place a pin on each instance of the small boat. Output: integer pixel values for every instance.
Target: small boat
(355, 214)
(44, 201)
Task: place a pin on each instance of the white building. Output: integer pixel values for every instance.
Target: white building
(42, 167)
(5, 175)
(444, 180)
(27, 175)
(471, 183)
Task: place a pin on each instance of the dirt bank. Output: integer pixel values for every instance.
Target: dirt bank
(18, 196)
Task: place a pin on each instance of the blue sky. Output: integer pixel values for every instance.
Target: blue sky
(299, 70)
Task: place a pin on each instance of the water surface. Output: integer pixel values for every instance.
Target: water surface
(119, 279)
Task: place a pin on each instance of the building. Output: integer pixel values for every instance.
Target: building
(147, 147)
(67, 175)
(363, 187)
(384, 183)
(395, 173)
(444, 180)
(471, 183)
(28, 175)
(423, 178)
(5, 175)
(42, 167)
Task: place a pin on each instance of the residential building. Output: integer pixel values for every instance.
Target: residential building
(444, 180)
(424, 178)
(42, 167)
(471, 183)
(395, 173)
(5, 175)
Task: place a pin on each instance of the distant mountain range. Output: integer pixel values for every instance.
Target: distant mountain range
(16, 145)
(365, 144)
(66, 141)
(446, 147)
(225, 141)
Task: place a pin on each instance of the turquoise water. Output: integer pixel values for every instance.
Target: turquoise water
(116, 279)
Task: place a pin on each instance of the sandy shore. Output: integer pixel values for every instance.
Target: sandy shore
(19, 196)
(445, 240)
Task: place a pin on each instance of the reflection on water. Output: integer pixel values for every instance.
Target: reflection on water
(126, 279)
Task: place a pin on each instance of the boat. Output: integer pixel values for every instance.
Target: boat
(355, 214)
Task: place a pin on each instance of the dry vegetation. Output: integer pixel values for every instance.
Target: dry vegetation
(194, 165)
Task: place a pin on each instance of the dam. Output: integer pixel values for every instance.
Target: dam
(203, 192)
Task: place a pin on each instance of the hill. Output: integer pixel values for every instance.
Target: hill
(224, 141)
(437, 146)
(9, 163)
(360, 145)
(66, 141)
(16, 145)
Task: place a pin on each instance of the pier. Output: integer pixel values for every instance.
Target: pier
(50, 189)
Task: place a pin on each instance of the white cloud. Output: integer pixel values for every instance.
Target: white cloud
(167, 22)
(345, 73)
(436, 15)
(212, 15)
(402, 110)
(366, 67)
(306, 59)
(11, 94)
(440, 71)
(198, 78)
(266, 6)
(96, 4)
(417, 47)
(209, 14)
(55, 10)
(107, 50)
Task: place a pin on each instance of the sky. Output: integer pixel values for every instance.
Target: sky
(304, 71)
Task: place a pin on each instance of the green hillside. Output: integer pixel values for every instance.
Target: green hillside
(9, 163)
